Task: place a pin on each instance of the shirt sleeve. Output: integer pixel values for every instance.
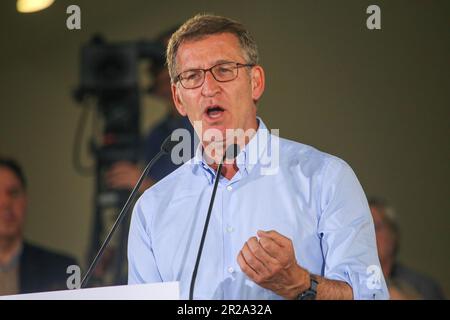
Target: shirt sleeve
(347, 233)
(142, 266)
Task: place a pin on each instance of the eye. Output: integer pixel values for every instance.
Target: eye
(14, 192)
(224, 70)
(192, 75)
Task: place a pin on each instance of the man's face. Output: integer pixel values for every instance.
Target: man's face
(12, 205)
(236, 98)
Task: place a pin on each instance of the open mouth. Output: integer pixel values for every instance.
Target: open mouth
(214, 112)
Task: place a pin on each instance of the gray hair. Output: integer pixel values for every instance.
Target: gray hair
(203, 25)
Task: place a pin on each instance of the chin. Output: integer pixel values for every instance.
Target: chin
(215, 126)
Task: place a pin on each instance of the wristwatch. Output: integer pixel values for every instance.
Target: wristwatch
(311, 293)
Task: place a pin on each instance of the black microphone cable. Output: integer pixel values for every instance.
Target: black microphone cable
(166, 148)
(230, 153)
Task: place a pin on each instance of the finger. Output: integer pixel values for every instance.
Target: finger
(123, 166)
(285, 255)
(275, 236)
(281, 254)
(116, 179)
(122, 170)
(246, 268)
(256, 248)
(253, 261)
(122, 174)
(115, 167)
(121, 182)
(114, 174)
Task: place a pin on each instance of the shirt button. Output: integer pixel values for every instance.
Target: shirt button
(230, 229)
(230, 270)
(229, 188)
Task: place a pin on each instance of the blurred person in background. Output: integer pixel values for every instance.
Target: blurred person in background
(125, 174)
(24, 267)
(403, 282)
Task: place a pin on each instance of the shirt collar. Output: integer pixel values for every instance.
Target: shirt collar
(14, 262)
(247, 158)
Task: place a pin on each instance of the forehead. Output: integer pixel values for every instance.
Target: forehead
(209, 50)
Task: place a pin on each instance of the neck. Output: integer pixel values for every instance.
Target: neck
(8, 249)
(229, 170)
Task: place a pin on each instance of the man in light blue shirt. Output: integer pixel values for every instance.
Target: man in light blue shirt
(288, 222)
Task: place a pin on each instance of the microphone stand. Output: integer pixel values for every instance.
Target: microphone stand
(166, 147)
(230, 153)
(205, 229)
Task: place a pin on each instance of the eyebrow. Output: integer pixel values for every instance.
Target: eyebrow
(214, 64)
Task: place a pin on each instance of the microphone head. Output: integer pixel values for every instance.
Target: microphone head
(168, 145)
(232, 151)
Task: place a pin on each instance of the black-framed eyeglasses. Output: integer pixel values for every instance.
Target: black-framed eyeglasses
(222, 72)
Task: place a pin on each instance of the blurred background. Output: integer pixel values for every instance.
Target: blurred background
(379, 99)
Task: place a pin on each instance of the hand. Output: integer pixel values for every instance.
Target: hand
(124, 175)
(271, 263)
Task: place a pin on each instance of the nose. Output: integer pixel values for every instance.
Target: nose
(210, 86)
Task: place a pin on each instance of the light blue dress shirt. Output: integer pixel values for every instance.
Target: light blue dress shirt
(309, 196)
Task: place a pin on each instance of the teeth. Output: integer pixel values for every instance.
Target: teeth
(214, 114)
(214, 111)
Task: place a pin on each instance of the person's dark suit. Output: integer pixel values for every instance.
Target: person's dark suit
(425, 286)
(42, 270)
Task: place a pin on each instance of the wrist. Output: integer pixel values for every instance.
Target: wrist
(311, 292)
(302, 283)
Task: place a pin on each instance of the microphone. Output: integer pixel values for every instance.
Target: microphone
(166, 148)
(231, 153)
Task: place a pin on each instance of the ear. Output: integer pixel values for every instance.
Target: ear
(177, 100)
(258, 82)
